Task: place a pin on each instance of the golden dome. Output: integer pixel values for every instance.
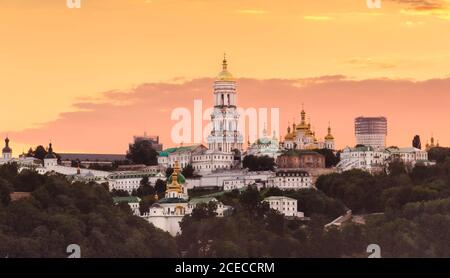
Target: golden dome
(289, 135)
(225, 75)
(303, 125)
(174, 185)
(329, 136)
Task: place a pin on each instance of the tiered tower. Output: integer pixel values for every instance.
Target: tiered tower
(225, 136)
(7, 151)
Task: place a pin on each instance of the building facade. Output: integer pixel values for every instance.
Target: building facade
(302, 137)
(152, 140)
(365, 158)
(284, 205)
(371, 131)
(182, 155)
(265, 146)
(375, 160)
(300, 159)
(285, 179)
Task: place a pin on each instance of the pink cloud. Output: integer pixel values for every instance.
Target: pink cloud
(108, 125)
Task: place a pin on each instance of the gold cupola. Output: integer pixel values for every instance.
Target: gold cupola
(329, 135)
(302, 125)
(225, 75)
(289, 135)
(174, 186)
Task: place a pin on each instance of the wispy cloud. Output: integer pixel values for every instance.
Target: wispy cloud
(107, 126)
(436, 8)
(252, 11)
(370, 63)
(318, 18)
(410, 23)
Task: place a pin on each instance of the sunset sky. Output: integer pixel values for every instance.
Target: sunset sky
(89, 79)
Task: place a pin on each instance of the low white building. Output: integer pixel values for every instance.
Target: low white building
(231, 179)
(222, 210)
(183, 155)
(409, 156)
(237, 183)
(131, 180)
(284, 205)
(132, 201)
(209, 161)
(377, 159)
(363, 158)
(286, 179)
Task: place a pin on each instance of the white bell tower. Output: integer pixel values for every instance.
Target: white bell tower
(225, 136)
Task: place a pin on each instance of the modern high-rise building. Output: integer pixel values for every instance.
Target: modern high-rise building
(371, 131)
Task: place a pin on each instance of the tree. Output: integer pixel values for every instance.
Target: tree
(146, 203)
(119, 193)
(416, 142)
(40, 152)
(59, 212)
(204, 210)
(250, 198)
(396, 167)
(30, 152)
(5, 191)
(188, 171)
(276, 222)
(160, 186)
(169, 172)
(439, 154)
(145, 189)
(142, 152)
(258, 163)
(330, 158)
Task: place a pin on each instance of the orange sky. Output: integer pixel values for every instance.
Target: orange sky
(392, 61)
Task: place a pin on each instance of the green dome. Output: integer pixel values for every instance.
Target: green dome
(181, 179)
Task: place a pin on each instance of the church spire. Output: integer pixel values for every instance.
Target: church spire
(303, 115)
(224, 62)
(329, 135)
(7, 149)
(225, 75)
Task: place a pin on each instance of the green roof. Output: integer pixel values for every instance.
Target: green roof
(180, 179)
(168, 151)
(201, 200)
(171, 201)
(220, 193)
(129, 199)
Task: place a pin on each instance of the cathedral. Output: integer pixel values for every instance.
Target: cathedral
(432, 144)
(301, 137)
(265, 146)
